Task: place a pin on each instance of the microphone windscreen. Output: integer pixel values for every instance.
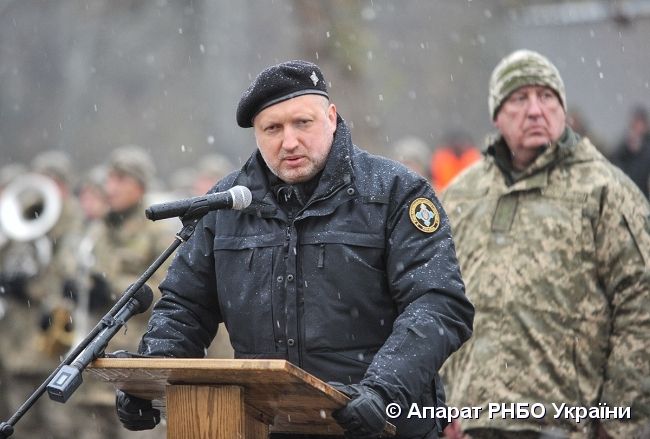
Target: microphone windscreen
(241, 197)
(144, 296)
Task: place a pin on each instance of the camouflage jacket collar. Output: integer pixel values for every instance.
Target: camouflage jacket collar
(115, 219)
(534, 175)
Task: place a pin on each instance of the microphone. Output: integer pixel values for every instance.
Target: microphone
(237, 198)
(68, 379)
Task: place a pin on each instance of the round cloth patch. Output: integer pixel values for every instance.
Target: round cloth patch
(424, 215)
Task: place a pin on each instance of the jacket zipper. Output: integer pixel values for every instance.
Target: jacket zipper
(299, 306)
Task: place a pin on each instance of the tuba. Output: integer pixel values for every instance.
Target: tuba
(29, 207)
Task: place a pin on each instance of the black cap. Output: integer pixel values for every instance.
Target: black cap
(279, 83)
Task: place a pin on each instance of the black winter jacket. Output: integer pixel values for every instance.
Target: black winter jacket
(348, 289)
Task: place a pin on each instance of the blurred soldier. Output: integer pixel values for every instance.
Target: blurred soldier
(576, 119)
(633, 153)
(85, 286)
(92, 299)
(92, 194)
(7, 174)
(414, 154)
(128, 243)
(37, 327)
(123, 248)
(211, 168)
(554, 247)
(56, 165)
(182, 182)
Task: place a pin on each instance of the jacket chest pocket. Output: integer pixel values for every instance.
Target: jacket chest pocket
(346, 296)
(549, 258)
(245, 290)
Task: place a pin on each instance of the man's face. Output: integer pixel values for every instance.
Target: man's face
(531, 117)
(295, 136)
(122, 191)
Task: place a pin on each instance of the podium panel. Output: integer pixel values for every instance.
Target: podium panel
(203, 396)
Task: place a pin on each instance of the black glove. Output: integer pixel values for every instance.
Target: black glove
(365, 415)
(14, 285)
(136, 413)
(71, 290)
(100, 293)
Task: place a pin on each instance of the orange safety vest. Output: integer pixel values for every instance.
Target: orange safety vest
(445, 165)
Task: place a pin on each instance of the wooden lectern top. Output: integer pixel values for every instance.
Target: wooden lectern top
(276, 392)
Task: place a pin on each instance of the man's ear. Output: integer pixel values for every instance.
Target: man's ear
(331, 113)
(495, 123)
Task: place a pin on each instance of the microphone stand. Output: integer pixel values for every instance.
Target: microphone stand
(189, 220)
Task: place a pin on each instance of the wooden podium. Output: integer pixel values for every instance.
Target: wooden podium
(227, 399)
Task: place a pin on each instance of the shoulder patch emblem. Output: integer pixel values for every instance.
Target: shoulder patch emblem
(424, 215)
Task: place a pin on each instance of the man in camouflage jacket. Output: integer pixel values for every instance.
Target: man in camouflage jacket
(554, 247)
(124, 245)
(34, 322)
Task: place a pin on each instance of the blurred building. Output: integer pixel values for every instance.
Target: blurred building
(168, 75)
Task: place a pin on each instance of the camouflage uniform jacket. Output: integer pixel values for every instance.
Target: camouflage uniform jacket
(33, 351)
(124, 248)
(557, 263)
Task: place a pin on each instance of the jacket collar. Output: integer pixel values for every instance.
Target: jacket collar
(536, 173)
(338, 170)
(115, 219)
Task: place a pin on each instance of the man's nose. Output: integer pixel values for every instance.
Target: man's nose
(534, 106)
(290, 138)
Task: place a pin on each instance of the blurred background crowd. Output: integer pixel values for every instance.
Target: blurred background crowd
(106, 107)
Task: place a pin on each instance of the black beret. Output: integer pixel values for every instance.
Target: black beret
(279, 83)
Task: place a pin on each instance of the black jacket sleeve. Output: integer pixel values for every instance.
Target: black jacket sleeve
(435, 317)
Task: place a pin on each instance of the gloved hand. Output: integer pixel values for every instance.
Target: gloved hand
(71, 290)
(365, 415)
(99, 293)
(136, 413)
(14, 285)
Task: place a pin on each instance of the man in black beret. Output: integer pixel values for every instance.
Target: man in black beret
(343, 264)
(279, 83)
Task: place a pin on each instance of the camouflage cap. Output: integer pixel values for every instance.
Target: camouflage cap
(95, 177)
(412, 149)
(134, 161)
(520, 68)
(54, 164)
(181, 179)
(10, 171)
(215, 166)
